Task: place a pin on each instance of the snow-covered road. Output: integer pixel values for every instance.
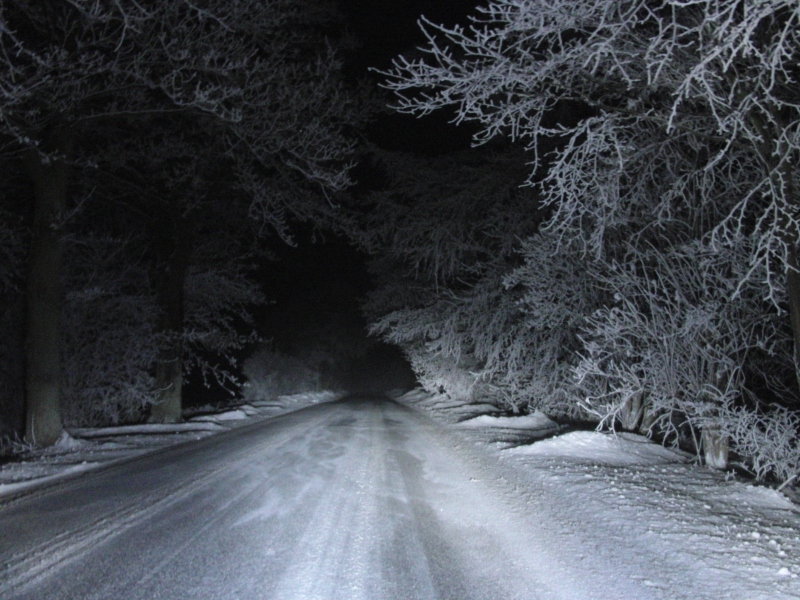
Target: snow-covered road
(362, 498)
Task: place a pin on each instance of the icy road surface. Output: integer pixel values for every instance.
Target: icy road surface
(356, 499)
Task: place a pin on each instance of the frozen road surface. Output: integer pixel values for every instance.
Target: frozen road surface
(361, 498)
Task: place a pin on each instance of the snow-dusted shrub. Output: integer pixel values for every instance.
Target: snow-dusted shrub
(440, 374)
(676, 350)
(433, 348)
(767, 439)
(217, 302)
(556, 291)
(270, 373)
(463, 342)
(108, 336)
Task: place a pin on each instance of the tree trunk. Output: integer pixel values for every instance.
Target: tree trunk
(172, 245)
(715, 448)
(44, 297)
(784, 181)
(12, 369)
(793, 291)
(648, 416)
(630, 415)
(168, 407)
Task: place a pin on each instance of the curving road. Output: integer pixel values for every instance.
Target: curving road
(358, 499)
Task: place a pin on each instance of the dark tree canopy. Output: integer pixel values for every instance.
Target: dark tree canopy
(165, 110)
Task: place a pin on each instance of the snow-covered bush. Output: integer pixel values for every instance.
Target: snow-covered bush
(664, 143)
(463, 342)
(108, 336)
(428, 337)
(768, 441)
(270, 373)
(218, 299)
(556, 292)
(675, 352)
(441, 374)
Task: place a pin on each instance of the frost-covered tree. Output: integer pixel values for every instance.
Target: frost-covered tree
(446, 230)
(119, 328)
(695, 100)
(654, 128)
(556, 291)
(257, 74)
(197, 236)
(109, 333)
(448, 336)
(680, 348)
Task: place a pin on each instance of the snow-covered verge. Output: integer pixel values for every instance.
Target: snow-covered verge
(637, 494)
(81, 449)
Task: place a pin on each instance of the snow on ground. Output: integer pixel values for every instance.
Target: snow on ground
(606, 448)
(364, 499)
(575, 510)
(81, 449)
(705, 525)
(536, 422)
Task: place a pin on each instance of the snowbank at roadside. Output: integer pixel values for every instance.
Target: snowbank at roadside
(538, 421)
(81, 449)
(191, 426)
(444, 407)
(482, 418)
(709, 525)
(606, 448)
(706, 524)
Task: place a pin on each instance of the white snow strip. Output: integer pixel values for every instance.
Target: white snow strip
(85, 448)
(68, 443)
(537, 421)
(17, 486)
(144, 429)
(231, 415)
(603, 448)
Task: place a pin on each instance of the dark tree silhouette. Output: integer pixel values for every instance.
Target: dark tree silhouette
(252, 72)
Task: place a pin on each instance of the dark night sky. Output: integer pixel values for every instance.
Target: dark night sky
(384, 30)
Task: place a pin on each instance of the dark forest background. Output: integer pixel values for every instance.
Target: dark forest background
(589, 211)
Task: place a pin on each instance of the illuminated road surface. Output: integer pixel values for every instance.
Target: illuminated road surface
(357, 499)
